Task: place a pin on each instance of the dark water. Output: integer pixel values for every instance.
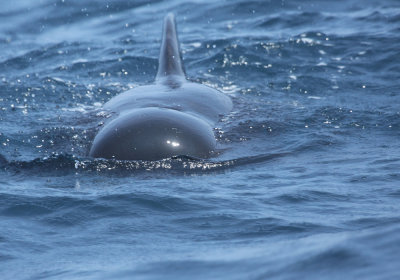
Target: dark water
(307, 183)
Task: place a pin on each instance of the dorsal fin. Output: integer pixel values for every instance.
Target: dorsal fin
(170, 62)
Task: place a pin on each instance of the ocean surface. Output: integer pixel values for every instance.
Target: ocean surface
(306, 183)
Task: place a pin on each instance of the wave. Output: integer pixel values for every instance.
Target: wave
(57, 163)
(368, 255)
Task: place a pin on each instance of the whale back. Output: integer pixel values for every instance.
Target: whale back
(170, 60)
(171, 117)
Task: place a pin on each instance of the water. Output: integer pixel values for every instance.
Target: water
(306, 183)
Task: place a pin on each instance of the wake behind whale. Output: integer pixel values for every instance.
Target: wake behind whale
(171, 117)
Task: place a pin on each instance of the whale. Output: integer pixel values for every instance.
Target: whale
(171, 117)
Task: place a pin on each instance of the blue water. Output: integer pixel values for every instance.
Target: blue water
(306, 184)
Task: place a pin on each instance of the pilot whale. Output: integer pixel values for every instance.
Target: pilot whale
(171, 117)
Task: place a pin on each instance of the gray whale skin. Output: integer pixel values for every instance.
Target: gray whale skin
(171, 117)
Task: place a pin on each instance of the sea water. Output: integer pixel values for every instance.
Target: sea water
(305, 184)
